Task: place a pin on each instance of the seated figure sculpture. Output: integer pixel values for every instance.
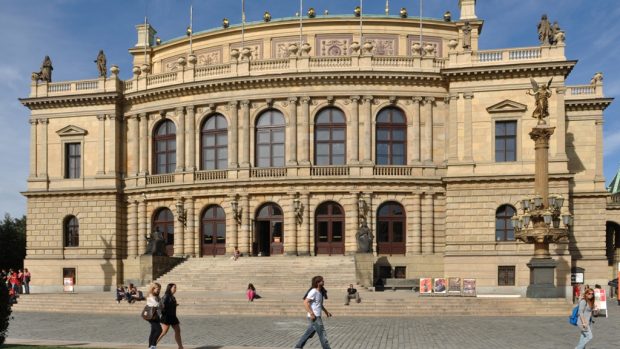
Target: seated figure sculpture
(364, 239)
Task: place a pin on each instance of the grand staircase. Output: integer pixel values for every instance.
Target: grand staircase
(216, 286)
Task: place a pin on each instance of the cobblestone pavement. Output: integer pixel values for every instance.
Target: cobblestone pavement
(122, 331)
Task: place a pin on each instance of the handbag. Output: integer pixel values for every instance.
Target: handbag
(149, 313)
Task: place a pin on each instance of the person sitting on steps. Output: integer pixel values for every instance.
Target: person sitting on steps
(352, 294)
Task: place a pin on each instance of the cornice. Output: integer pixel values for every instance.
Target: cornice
(502, 71)
(587, 104)
(36, 103)
(504, 178)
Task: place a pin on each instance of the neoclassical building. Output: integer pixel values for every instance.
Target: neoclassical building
(285, 142)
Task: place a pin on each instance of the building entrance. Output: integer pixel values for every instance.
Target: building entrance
(268, 231)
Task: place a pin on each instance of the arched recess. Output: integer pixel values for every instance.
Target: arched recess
(268, 233)
(391, 231)
(329, 229)
(612, 241)
(504, 230)
(213, 231)
(71, 231)
(163, 221)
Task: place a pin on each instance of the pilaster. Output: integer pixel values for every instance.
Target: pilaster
(133, 159)
(132, 225)
(233, 154)
(292, 132)
(142, 226)
(101, 145)
(353, 131)
(427, 114)
(560, 137)
(366, 137)
(33, 148)
(190, 236)
(245, 135)
(414, 132)
(304, 140)
(43, 144)
(467, 126)
(180, 115)
(112, 154)
(453, 138)
(144, 150)
(190, 144)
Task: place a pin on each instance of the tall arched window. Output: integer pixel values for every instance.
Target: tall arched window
(72, 232)
(504, 231)
(213, 231)
(214, 140)
(164, 148)
(163, 222)
(270, 139)
(330, 137)
(391, 228)
(391, 137)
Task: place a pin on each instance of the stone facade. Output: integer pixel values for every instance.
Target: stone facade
(449, 185)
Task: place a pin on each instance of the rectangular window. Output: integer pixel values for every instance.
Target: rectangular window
(73, 160)
(506, 275)
(505, 141)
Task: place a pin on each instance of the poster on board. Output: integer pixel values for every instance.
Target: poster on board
(454, 286)
(469, 287)
(600, 301)
(67, 284)
(440, 286)
(426, 286)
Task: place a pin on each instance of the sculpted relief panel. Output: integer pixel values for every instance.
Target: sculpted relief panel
(333, 45)
(433, 40)
(279, 46)
(204, 57)
(255, 46)
(384, 45)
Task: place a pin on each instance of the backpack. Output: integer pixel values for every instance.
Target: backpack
(574, 316)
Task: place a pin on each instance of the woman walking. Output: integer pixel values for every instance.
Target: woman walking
(153, 300)
(586, 309)
(169, 315)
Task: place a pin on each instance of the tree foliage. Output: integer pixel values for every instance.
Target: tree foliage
(5, 311)
(12, 242)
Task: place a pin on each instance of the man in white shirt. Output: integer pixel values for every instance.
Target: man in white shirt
(314, 306)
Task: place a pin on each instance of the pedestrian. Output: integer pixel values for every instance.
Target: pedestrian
(153, 300)
(586, 309)
(169, 315)
(26, 281)
(314, 306)
(14, 281)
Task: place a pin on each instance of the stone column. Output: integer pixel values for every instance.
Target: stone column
(353, 131)
(132, 228)
(234, 230)
(245, 135)
(134, 140)
(291, 153)
(303, 242)
(101, 145)
(179, 233)
(414, 246)
(599, 151)
(33, 148)
(112, 154)
(353, 215)
(43, 169)
(560, 137)
(197, 229)
(144, 145)
(180, 140)
(190, 144)
(290, 221)
(188, 246)
(453, 139)
(245, 240)
(142, 226)
(428, 224)
(233, 141)
(366, 137)
(467, 125)
(304, 140)
(413, 134)
(427, 114)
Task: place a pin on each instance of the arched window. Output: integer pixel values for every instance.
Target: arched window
(163, 222)
(329, 229)
(164, 148)
(504, 231)
(72, 232)
(270, 139)
(391, 228)
(213, 231)
(330, 137)
(391, 137)
(214, 141)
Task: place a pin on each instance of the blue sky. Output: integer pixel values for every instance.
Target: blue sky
(72, 32)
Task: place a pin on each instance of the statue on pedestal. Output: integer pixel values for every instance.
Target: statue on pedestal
(156, 245)
(467, 36)
(364, 238)
(45, 74)
(101, 64)
(542, 94)
(544, 31)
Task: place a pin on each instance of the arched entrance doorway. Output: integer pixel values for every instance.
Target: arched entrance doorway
(612, 241)
(391, 228)
(164, 222)
(213, 231)
(329, 229)
(268, 233)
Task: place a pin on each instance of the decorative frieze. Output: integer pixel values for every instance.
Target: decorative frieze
(333, 44)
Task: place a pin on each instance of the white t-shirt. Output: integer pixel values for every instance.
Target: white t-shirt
(316, 302)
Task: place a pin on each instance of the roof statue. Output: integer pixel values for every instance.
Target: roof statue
(45, 74)
(542, 94)
(101, 64)
(544, 31)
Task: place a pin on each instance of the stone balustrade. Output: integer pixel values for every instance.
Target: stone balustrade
(584, 91)
(329, 171)
(160, 179)
(504, 56)
(210, 175)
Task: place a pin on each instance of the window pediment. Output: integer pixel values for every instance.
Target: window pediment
(507, 106)
(72, 130)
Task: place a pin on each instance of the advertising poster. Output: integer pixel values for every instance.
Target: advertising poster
(68, 284)
(469, 287)
(440, 285)
(600, 301)
(454, 286)
(426, 285)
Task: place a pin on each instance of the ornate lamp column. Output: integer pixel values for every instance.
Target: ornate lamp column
(543, 210)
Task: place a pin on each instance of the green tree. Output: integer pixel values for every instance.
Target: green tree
(12, 242)
(5, 311)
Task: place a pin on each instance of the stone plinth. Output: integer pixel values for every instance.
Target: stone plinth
(364, 265)
(542, 278)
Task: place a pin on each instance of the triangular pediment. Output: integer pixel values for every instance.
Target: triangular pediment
(71, 131)
(507, 106)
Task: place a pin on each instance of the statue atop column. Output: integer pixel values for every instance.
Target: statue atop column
(45, 74)
(101, 64)
(544, 31)
(542, 94)
(364, 238)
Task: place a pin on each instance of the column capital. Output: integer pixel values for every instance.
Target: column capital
(144, 116)
(245, 103)
(292, 100)
(233, 105)
(190, 109)
(114, 117)
(101, 117)
(368, 99)
(179, 110)
(428, 100)
(417, 99)
(392, 100)
(44, 121)
(468, 95)
(453, 96)
(355, 99)
(305, 100)
(33, 121)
